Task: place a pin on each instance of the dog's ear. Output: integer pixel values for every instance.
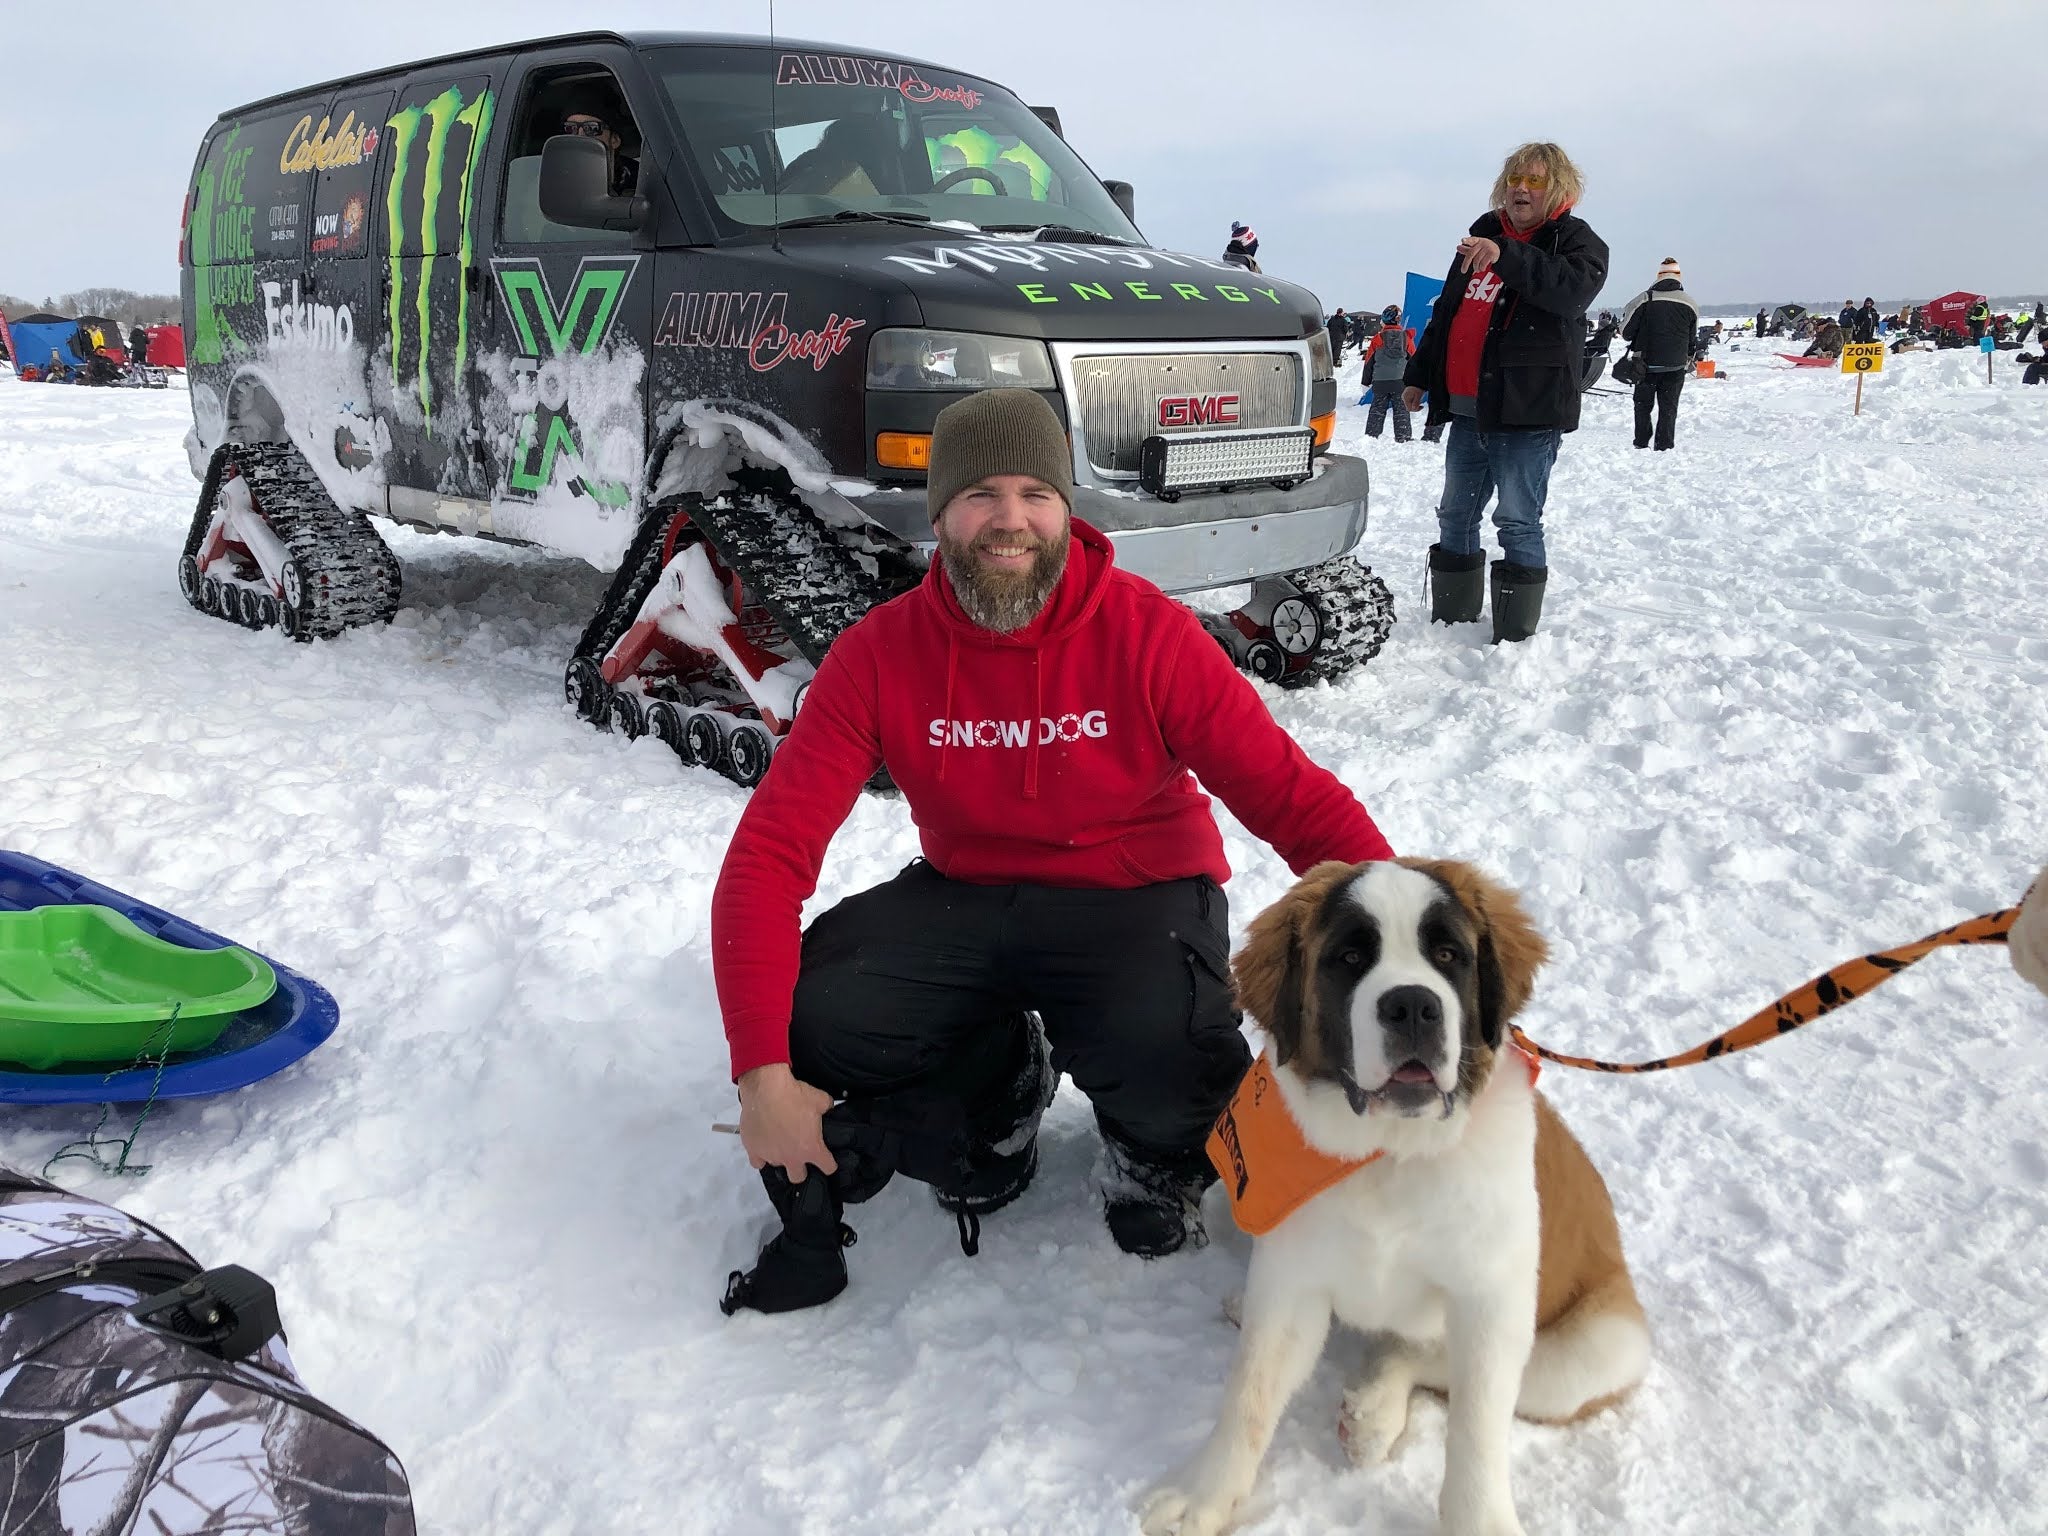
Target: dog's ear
(1271, 971)
(1511, 951)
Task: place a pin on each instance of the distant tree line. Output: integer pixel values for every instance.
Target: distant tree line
(120, 305)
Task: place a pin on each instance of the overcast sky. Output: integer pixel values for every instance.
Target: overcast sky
(1780, 149)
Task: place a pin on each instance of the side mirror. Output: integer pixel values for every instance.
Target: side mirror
(1050, 116)
(1121, 194)
(575, 187)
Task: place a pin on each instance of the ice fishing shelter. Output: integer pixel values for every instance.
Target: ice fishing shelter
(1786, 317)
(111, 338)
(37, 336)
(166, 347)
(1951, 312)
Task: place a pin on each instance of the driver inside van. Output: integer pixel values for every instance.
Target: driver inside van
(625, 170)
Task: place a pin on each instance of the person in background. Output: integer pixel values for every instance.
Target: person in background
(1978, 319)
(1243, 249)
(1502, 359)
(1339, 327)
(2024, 321)
(1659, 326)
(1762, 324)
(625, 170)
(1385, 365)
(138, 345)
(1847, 318)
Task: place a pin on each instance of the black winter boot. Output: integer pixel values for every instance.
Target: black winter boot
(1457, 586)
(1154, 1205)
(803, 1265)
(1002, 1155)
(1517, 599)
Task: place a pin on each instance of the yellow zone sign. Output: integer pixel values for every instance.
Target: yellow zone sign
(1863, 357)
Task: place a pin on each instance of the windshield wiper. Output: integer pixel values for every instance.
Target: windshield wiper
(1064, 233)
(855, 216)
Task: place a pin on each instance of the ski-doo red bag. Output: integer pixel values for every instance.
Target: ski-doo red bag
(141, 1393)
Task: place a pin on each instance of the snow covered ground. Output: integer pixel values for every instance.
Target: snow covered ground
(1787, 704)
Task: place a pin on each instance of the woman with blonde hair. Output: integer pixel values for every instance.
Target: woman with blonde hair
(1501, 361)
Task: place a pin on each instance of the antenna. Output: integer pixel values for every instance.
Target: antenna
(774, 140)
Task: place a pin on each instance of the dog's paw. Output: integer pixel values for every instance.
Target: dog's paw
(1170, 1510)
(1497, 1521)
(1371, 1421)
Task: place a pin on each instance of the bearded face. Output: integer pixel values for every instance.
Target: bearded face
(1005, 548)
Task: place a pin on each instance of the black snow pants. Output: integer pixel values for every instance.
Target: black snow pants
(1386, 396)
(912, 993)
(1661, 389)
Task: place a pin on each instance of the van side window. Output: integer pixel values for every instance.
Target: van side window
(432, 147)
(574, 98)
(340, 147)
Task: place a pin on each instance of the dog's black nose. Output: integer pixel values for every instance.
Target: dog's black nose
(1413, 1018)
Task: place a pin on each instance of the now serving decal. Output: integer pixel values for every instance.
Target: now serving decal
(1047, 729)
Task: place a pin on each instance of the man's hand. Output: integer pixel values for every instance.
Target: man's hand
(782, 1121)
(1479, 252)
(1411, 399)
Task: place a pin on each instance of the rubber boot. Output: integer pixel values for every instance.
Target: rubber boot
(1153, 1204)
(1457, 586)
(803, 1265)
(1517, 599)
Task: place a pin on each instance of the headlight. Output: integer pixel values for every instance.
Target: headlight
(906, 359)
(1320, 364)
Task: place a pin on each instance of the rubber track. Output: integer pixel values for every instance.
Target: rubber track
(1358, 611)
(351, 578)
(816, 580)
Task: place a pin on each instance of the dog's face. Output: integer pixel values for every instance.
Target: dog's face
(1390, 984)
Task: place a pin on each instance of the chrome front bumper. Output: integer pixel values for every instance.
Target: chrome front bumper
(1204, 540)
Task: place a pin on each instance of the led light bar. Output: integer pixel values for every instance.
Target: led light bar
(1168, 467)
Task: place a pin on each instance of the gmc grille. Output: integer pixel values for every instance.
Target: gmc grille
(1118, 397)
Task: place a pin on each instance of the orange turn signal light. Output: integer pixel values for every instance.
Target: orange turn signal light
(1325, 428)
(903, 450)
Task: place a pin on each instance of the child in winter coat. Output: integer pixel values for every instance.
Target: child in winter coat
(1386, 359)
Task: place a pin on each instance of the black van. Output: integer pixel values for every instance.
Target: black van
(686, 307)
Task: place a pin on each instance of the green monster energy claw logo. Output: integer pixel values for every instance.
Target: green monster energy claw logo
(434, 122)
(548, 333)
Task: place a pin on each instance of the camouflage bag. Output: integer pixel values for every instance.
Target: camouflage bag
(139, 1393)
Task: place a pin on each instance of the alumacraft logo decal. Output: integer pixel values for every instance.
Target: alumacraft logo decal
(1017, 733)
(851, 69)
(1183, 411)
(752, 323)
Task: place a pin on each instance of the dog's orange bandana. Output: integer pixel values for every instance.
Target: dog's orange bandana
(1266, 1164)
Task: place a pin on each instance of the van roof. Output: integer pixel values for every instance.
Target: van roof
(635, 40)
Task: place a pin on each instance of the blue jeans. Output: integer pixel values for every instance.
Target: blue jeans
(1476, 465)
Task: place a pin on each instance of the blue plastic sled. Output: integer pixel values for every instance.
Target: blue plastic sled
(298, 1016)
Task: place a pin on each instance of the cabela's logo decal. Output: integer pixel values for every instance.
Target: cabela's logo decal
(1180, 411)
(549, 334)
(307, 148)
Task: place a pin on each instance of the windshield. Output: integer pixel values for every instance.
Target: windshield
(850, 132)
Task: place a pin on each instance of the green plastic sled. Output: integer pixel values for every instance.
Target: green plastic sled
(86, 984)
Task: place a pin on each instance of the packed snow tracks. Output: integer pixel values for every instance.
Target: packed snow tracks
(268, 546)
(718, 618)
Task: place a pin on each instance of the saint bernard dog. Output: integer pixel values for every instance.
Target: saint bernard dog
(1459, 1225)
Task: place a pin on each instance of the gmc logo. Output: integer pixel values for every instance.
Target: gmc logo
(1197, 411)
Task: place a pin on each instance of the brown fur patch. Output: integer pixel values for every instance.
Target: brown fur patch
(1581, 1261)
(1272, 971)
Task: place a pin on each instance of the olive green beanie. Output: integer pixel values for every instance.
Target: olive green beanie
(997, 432)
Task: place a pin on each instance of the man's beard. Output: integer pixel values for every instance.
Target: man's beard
(1004, 601)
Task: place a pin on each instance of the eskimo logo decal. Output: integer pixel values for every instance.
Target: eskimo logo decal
(1018, 733)
(546, 333)
(1180, 411)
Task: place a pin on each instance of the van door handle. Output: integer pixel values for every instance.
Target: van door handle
(473, 278)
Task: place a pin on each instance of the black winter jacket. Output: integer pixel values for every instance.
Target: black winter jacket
(1662, 324)
(1536, 339)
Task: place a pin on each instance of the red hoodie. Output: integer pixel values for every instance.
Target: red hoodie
(1057, 755)
(1467, 341)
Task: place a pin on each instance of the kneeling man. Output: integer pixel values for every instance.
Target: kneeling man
(1046, 716)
